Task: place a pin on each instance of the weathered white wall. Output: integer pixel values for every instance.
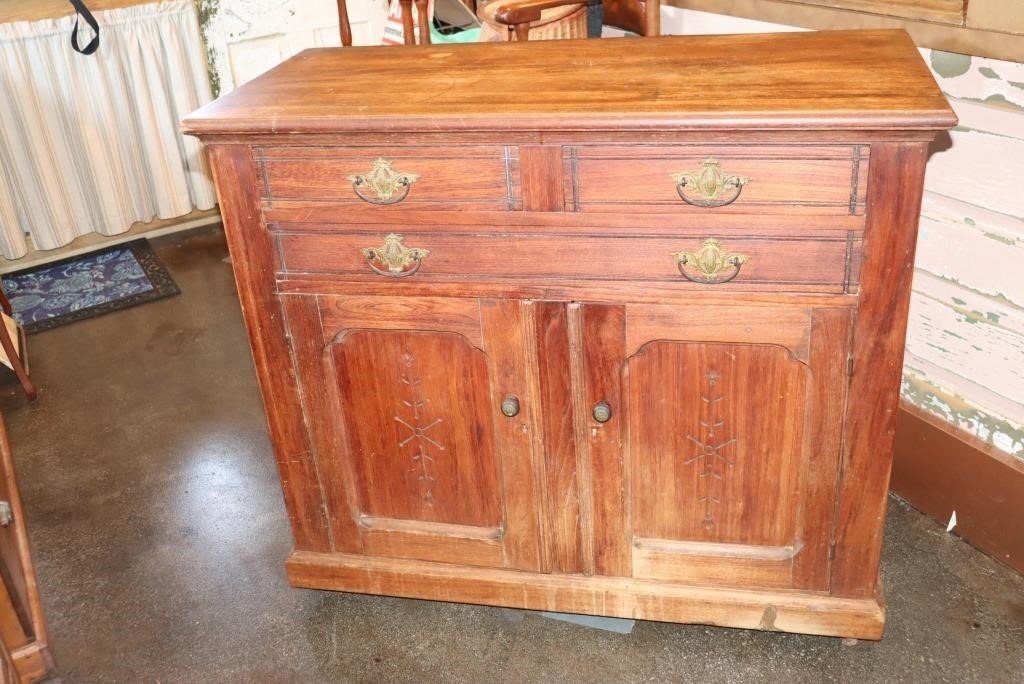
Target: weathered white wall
(247, 37)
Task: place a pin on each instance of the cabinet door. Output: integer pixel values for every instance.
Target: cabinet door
(405, 399)
(719, 462)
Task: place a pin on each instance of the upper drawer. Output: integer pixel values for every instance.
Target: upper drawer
(480, 178)
(707, 178)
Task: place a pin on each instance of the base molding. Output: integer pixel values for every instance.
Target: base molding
(783, 611)
(939, 469)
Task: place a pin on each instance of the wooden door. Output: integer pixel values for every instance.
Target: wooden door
(719, 462)
(421, 410)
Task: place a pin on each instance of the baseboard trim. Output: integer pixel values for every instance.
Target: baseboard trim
(939, 469)
(94, 241)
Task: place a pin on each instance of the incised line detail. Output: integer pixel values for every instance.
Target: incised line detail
(714, 464)
(418, 424)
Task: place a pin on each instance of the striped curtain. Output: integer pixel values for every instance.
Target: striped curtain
(91, 143)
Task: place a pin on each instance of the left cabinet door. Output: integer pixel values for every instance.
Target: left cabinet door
(422, 414)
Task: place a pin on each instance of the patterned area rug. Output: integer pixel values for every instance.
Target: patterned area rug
(110, 279)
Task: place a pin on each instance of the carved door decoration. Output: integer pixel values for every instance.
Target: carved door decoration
(721, 442)
(415, 456)
(727, 451)
(419, 419)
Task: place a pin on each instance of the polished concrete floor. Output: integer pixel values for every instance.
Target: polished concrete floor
(159, 536)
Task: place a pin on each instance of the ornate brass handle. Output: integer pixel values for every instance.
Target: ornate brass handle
(383, 181)
(396, 257)
(709, 262)
(712, 187)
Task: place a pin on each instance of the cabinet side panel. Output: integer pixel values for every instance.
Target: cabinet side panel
(829, 351)
(894, 203)
(326, 432)
(252, 261)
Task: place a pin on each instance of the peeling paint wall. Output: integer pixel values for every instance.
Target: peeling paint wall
(965, 346)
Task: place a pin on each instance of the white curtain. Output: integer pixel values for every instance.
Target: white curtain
(91, 143)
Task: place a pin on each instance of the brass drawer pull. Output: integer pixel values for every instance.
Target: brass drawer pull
(602, 412)
(395, 257)
(709, 262)
(712, 187)
(384, 182)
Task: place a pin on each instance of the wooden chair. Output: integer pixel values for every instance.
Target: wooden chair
(422, 9)
(518, 17)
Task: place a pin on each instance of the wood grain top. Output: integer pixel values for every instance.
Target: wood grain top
(860, 80)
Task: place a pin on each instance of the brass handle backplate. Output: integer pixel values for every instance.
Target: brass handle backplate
(393, 259)
(602, 412)
(710, 264)
(388, 185)
(708, 186)
(510, 406)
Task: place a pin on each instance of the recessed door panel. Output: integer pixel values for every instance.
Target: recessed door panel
(419, 420)
(724, 451)
(716, 436)
(405, 398)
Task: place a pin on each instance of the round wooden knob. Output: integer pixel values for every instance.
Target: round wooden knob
(510, 407)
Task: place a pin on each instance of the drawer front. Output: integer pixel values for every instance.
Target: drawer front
(482, 177)
(696, 260)
(821, 180)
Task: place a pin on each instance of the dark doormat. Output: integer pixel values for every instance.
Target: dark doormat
(80, 287)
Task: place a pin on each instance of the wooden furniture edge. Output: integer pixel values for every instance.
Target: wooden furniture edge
(34, 660)
(952, 38)
(824, 615)
(938, 469)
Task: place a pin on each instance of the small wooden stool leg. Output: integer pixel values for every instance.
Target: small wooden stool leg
(343, 24)
(12, 354)
(407, 24)
(10, 349)
(423, 17)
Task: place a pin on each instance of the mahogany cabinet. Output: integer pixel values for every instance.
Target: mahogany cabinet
(609, 327)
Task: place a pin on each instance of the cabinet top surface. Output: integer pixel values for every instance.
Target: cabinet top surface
(860, 80)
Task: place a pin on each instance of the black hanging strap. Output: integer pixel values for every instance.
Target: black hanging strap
(82, 12)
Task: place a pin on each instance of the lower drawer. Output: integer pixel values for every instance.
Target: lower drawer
(791, 264)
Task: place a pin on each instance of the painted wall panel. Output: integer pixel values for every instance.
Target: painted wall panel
(978, 249)
(982, 168)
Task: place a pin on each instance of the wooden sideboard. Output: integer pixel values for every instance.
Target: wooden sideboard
(609, 327)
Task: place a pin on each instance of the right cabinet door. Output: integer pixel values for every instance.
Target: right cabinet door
(713, 440)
